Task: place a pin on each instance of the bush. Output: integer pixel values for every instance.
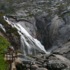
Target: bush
(3, 45)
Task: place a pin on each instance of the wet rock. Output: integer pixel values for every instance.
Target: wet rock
(42, 24)
(41, 69)
(53, 32)
(34, 67)
(55, 64)
(59, 32)
(56, 24)
(64, 50)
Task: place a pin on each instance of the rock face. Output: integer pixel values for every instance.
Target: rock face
(63, 37)
(64, 50)
(53, 32)
(41, 69)
(56, 64)
(47, 20)
(43, 23)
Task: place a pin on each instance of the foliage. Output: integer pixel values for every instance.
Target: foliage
(3, 45)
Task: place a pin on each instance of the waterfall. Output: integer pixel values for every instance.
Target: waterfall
(29, 45)
(2, 27)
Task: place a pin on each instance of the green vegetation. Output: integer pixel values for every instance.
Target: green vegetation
(3, 45)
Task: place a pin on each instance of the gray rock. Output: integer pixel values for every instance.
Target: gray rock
(56, 24)
(55, 64)
(64, 50)
(41, 69)
(34, 67)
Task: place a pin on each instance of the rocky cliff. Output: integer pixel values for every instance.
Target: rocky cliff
(46, 20)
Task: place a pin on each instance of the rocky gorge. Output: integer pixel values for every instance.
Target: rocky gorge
(46, 20)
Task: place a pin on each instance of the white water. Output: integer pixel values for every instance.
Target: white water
(2, 27)
(29, 45)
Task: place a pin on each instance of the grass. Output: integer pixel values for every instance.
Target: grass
(3, 45)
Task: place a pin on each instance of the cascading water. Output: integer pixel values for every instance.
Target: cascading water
(2, 27)
(29, 45)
